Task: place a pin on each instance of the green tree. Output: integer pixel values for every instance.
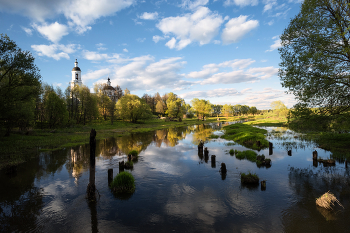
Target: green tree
(245, 109)
(201, 107)
(133, 108)
(55, 110)
(253, 110)
(160, 107)
(227, 110)
(237, 109)
(315, 55)
(175, 105)
(216, 109)
(19, 86)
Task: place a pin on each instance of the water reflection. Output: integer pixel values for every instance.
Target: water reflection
(177, 189)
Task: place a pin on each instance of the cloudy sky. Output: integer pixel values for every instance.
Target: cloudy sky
(224, 51)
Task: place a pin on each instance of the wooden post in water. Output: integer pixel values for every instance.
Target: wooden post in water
(346, 163)
(206, 151)
(263, 185)
(200, 147)
(270, 148)
(121, 166)
(223, 171)
(213, 162)
(290, 152)
(258, 143)
(91, 188)
(314, 155)
(110, 176)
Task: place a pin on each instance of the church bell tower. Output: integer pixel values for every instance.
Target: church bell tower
(76, 75)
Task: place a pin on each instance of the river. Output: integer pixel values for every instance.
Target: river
(177, 190)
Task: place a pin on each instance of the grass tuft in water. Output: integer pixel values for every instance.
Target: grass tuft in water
(249, 178)
(124, 182)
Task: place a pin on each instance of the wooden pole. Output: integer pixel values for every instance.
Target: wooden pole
(270, 148)
(110, 176)
(213, 162)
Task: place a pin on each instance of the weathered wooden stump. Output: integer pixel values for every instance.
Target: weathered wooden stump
(290, 152)
(213, 162)
(346, 164)
(206, 151)
(270, 148)
(129, 157)
(314, 155)
(223, 168)
(258, 143)
(315, 163)
(110, 176)
(121, 166)
(263, 185)
(267, 162)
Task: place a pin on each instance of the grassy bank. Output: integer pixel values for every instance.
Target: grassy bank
(246, 135)
(20, 146)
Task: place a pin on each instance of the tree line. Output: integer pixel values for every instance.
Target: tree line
(27, 102)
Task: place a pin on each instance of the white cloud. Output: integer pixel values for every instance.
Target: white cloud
(149, 16)
(27, 30)
(210, 69)
(217, 42)
(193, 4)
(53, 32)
(93, 56)
(125, 50)
(277, 44)
(263, 72)
(141, 39)
(171, 43)
(269, 4)
(241, 3)
(142, 73)
(236, 76)
(201, 26)
(271, 22)
(79, 13)
(157, 38)
(53, 50)
(220, 92)
(93, 75)
(236, 28)
(100, 46)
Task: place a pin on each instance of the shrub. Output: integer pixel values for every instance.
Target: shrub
(232, 152)
(124, 182)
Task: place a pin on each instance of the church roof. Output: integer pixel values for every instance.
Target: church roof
(76, 68)
(108, 88)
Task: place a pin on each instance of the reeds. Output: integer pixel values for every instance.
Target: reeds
(327, 200)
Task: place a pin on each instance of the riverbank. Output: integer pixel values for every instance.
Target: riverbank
(21, 146)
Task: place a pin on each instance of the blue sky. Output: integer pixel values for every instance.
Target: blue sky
(224, 51)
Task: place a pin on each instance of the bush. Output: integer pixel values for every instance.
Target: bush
(124, 182)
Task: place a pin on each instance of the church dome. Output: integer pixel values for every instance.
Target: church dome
(76, 69)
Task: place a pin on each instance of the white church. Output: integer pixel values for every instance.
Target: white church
(76, 80)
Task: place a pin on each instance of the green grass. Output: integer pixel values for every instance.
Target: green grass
(124, 182)
(249, 178)
(247, 154)
(279, 122)
(133, 153)
(246, 135)
(213, 136)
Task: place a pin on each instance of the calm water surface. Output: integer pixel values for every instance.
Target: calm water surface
(176, 189)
